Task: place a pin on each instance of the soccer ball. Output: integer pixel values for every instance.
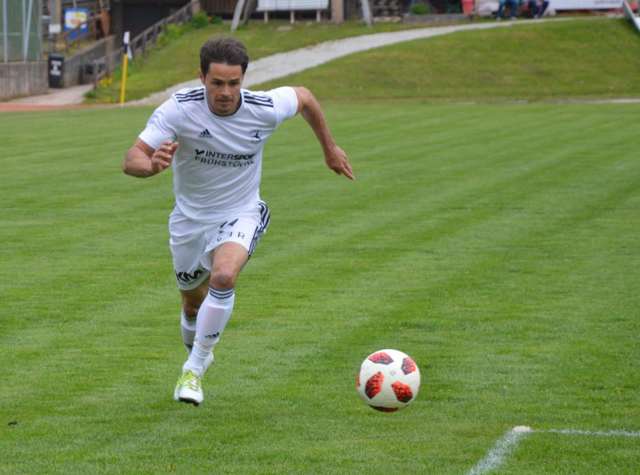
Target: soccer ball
(388, 380)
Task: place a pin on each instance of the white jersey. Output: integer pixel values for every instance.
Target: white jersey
(218, 163)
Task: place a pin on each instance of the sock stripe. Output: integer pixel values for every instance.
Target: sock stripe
(221, 294)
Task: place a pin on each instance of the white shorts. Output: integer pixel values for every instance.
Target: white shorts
(192, 242)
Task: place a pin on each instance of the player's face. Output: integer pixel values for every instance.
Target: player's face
(222, 84)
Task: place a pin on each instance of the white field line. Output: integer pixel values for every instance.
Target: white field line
(504, 446)
(501, 450)
(600, 433)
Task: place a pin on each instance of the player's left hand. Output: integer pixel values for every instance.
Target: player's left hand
(337, 161)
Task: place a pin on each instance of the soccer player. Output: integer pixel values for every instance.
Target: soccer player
(212, 136)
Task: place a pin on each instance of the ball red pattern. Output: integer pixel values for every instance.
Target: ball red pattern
(381, 358)
(374, 385)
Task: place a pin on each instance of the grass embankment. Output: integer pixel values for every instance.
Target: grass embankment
(578, 59)
(178, 61)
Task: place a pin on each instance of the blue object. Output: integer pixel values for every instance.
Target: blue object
(71, 14)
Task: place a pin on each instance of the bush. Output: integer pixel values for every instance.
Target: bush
(419, 9)
(200, 20)
(174, 32)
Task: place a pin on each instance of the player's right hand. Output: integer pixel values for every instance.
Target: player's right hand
(163, 156)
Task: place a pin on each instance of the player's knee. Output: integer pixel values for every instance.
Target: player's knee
(223, 280)
(190, 309)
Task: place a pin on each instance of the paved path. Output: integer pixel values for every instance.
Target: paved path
(55, 99)
(283, 64)
(272, 67)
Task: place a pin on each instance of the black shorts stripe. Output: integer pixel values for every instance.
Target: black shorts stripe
(255, 239)
(265, 215)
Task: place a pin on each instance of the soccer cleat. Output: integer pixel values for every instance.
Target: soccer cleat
(188, 388)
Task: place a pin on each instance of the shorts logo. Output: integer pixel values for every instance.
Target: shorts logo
(186, 278)
(223, 234)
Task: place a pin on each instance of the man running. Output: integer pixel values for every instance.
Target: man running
(212, 136)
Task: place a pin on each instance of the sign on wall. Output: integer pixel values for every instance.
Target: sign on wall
(74, 17)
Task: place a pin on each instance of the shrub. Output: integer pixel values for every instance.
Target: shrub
(419, 9)
(200, 20)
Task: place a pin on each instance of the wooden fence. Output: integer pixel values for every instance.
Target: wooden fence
(103, 67)
(65, 39)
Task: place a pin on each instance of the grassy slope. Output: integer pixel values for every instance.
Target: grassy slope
(504, 261)
(178, 62)
(564, 60)
(545, 61)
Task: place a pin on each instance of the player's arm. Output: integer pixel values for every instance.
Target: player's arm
(311, 111)
(143, 161)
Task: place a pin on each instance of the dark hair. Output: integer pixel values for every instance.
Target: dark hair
(224, 50)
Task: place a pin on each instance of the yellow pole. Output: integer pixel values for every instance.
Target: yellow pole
(124, 78)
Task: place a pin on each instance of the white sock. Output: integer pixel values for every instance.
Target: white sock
(212, 317)
(197, 358)
(188, 327)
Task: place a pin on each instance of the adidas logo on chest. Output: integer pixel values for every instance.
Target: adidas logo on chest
(205, 134)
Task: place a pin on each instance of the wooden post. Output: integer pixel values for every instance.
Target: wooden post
(57, 13)
(266, 16)
(95, 74)
(293, 17)
(246, 13)
(337, 10)
(318, 16)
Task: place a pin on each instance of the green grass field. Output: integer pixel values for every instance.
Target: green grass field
(497, 245)
(505, 261)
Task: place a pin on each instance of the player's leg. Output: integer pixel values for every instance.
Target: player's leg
(187, 244)
(191, 301)
(229, 248)
(227, 260)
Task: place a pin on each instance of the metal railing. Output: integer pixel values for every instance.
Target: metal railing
(63, 42)
(68, 40)
(103, 67)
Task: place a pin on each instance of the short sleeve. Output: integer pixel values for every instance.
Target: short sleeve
(285, 101)
(164, 124)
